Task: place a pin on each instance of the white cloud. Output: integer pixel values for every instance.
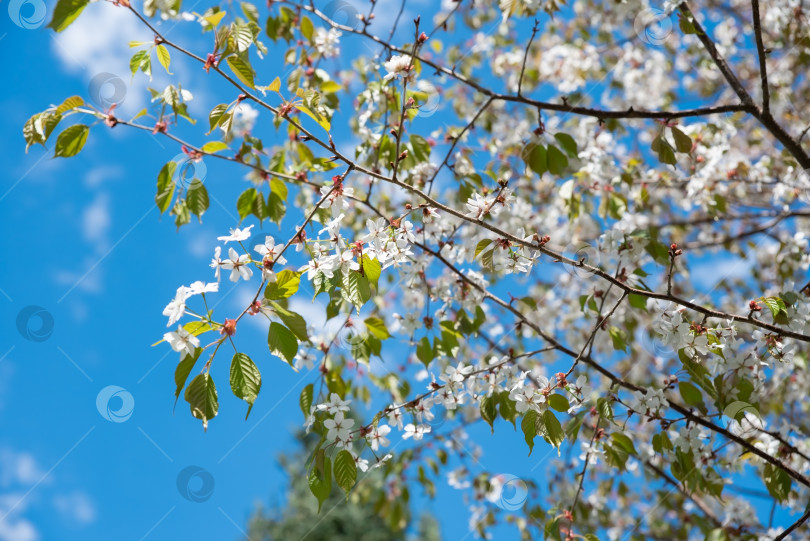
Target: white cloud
(14, 527)
(89, 281)
(201, 245)
(98, 175)
(96, 221)
(18, 468)
(98, 42)
(76, 507)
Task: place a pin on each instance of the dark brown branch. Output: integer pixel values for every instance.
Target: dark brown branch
(763, 71)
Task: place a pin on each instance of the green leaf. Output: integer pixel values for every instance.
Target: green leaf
(164, 57)
(356, 288)
(295, 322)
(536, 157)
(345, 470)
(604, 408)
(683, 143)
(619, 338)
(214, 146)
(481, 246)
(554, 431)
(69, 104)
(661, 443)
(66, 12)
(371, 268)
(322, 121)
(197, 198)
(557, 161)
(718, 534)
(624, 442)
(686, 26)
(568, 143)
(777, 481)
(638, 301)
(736, 410)
(421, 148)
(307, 30)
(558, 402)
(282, 342)
(71, 141)
(320, 477)
(424, 352)
(165, 186)
(376, 327)
(215, 117)
(201, 395)
(242, 70)
(183, 370)
(246, 381)
(506, 406)
(489, 411)
(305, 399)
(141, 61)
(244, 205)
(529, 426)
(286, 285)
(242, 36)
(690, 394)
(666, 154)
(775, 304)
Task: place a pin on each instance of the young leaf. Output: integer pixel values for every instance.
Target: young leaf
(371, 268)
(165, 186)
(321, 120)
(69, 104)
(307, 29)
(214, 146)
(71, 141)
(286, 285)
(481, 246)
(242, 69)
(164, 57)
(376, 327)
(215, 117)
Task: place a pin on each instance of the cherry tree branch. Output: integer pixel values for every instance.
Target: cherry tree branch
(763, 69)
(559, 107)
(764, 116)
